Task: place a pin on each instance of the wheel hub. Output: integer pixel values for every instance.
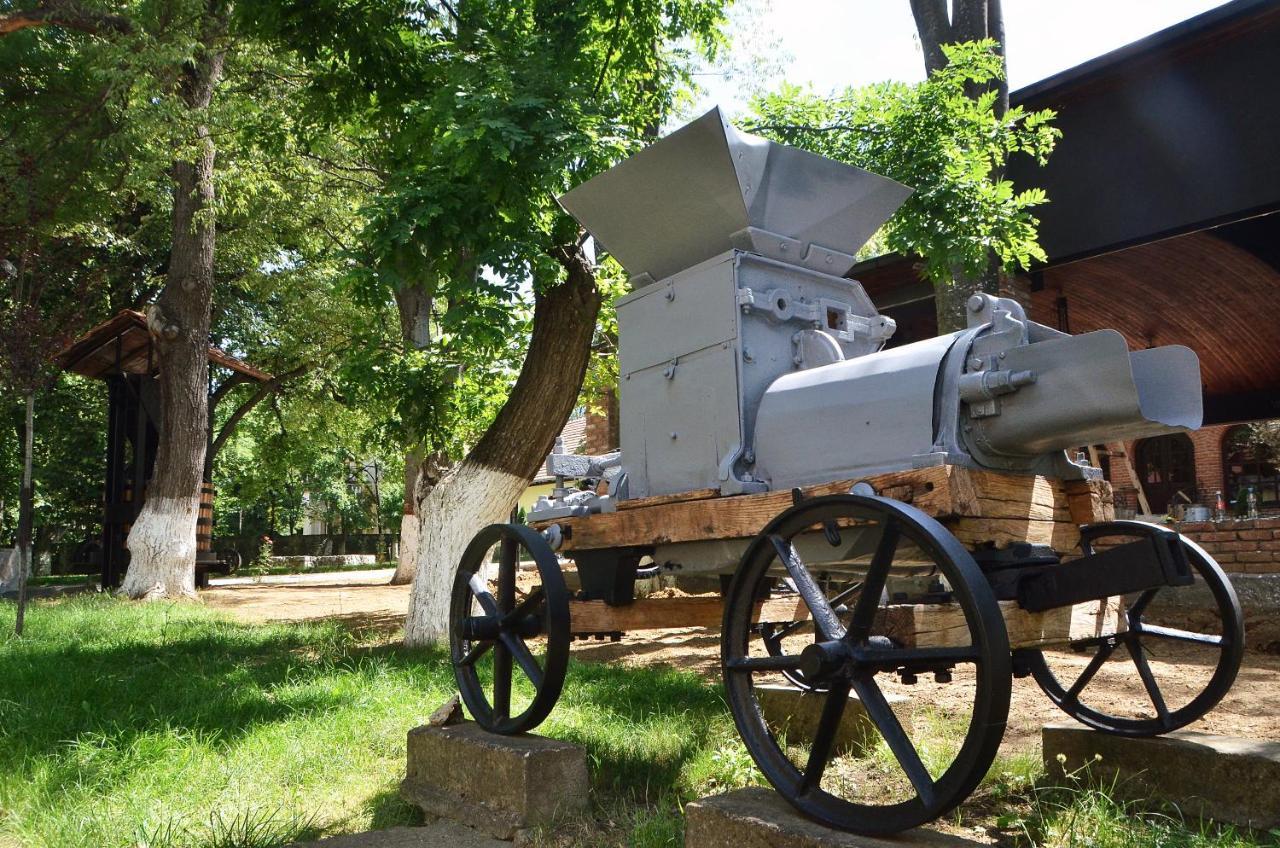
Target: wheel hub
(822, 661)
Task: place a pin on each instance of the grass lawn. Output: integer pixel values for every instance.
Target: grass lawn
(169, 725)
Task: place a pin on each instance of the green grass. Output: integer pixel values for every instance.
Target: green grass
(171, 726)
(62, 579)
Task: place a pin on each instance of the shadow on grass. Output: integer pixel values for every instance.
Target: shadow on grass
(97, 668)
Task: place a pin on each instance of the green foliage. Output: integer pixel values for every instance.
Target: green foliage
(474, 116)
(951, 149)
(70, 442)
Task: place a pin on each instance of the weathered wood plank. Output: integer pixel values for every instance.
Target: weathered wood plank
(678, 497)
(979, 506)
(931, 626)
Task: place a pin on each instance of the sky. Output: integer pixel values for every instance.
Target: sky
(831, 44)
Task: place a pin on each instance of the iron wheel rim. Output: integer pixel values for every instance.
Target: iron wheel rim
(551, 612)
(1230, 654)
(991, 660)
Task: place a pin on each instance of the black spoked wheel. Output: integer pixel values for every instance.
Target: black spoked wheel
(878, 750)
(494, 630)
(1113, 683)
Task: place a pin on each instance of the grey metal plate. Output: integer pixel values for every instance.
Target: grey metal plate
(1085, 393)
(680, 200)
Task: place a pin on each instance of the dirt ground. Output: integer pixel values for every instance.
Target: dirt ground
(1251, 709)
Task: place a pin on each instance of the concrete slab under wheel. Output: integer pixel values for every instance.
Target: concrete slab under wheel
(1224, 778)
(498, 784)
(440, 833)
(786, 708)
(761, 818)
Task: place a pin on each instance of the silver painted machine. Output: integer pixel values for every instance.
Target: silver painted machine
(748, 362)
(760, 412)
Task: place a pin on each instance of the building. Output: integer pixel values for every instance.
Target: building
(1162, 224)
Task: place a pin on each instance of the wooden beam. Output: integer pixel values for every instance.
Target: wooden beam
(1117, 450)
(1023, 508)
(926, 626)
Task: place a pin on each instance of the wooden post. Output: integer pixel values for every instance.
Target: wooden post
(1117, 449)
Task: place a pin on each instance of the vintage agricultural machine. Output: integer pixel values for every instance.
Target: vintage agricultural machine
(899, 532)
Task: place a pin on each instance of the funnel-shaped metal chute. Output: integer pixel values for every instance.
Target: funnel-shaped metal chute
(707, 187)
(1090, 389)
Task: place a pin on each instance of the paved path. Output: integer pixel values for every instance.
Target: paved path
(365, 577)
(365, 597)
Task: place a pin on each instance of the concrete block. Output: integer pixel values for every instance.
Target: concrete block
(1219, 777)
(293, 563)
(498, 784)
(786, 707)
(343, 560)
(761, 818)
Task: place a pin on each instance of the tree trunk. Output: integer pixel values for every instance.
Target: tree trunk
(26, 509)
(162, 541)
(482, 489)
(414, 306)
(969, 20)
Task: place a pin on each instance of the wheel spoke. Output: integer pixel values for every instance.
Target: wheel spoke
(520, 652)
(1135, 611)
(487, 602)
(824, 617)
(478, 650)
(1180, 635)
(824, 737)
(531, 600)
(750, 664)
(1148, 680)
(836, 600)
(510, 554)
(1073, 694)
(890, 728)
(501, 681)
(864, 612)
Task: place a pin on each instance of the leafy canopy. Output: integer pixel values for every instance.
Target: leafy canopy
(950, 148)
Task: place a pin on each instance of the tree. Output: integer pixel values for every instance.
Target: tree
(950, 148)
(147, 104)
(489, 109)
(968, 21)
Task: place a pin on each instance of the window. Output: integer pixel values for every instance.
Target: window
(1166, 465)
(1246, 464)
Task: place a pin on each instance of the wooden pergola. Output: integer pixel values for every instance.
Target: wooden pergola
(121, 351)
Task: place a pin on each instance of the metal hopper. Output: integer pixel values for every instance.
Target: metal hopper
(707, 188)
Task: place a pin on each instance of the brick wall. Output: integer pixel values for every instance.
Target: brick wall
(1207, 443)
(1240, 547)
(602, 425)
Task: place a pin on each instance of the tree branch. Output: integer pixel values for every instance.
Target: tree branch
(68, 15)
(934, 27)
(265, 390)
(228, 384)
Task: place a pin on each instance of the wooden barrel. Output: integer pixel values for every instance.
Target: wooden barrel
(204, 522)
(127, 497)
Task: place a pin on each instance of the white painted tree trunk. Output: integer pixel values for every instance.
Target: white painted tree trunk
(407, 561)
(467, 499)
(162, 550)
